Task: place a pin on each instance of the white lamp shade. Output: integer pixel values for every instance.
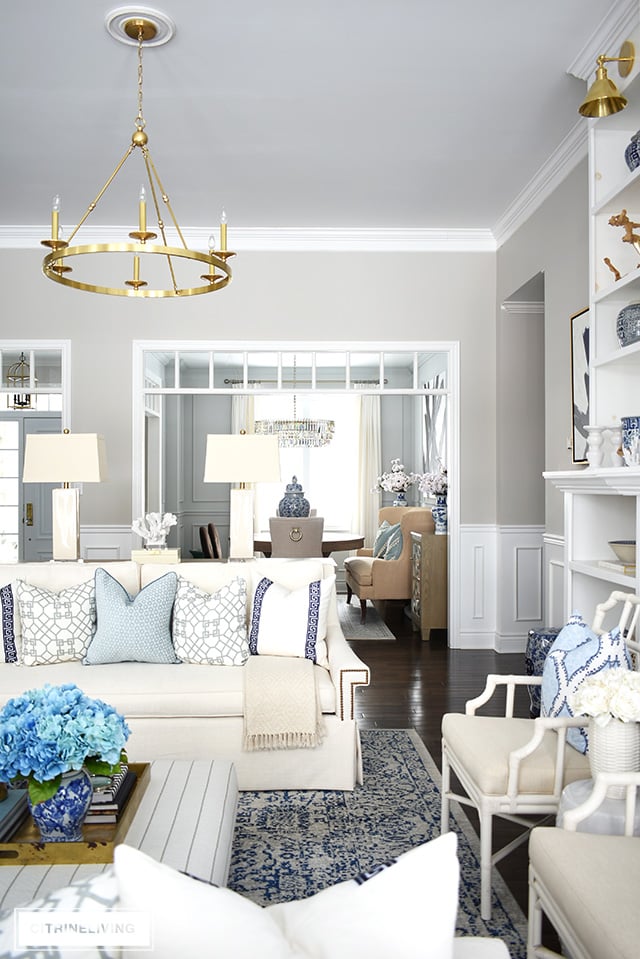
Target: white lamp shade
(241, 458)
(64, 458)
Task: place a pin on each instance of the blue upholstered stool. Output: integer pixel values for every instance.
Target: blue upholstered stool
(539, 642)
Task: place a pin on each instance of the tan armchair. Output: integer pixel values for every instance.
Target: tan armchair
(375, 578)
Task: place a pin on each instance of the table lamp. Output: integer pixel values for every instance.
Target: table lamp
(65, 458)
(241, 458)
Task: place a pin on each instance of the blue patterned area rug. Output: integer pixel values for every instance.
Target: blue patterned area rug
(291, 844)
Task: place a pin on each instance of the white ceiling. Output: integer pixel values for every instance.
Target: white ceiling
(346, 115)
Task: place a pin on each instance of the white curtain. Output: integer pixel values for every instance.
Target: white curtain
(369, 460)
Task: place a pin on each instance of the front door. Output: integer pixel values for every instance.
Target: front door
(37, 544)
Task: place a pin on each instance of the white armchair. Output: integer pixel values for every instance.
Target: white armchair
(587, 885)
(515, 768)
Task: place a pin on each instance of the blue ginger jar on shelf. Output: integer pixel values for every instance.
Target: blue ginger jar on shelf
(293, 503)
(632, 153)
(628, 324)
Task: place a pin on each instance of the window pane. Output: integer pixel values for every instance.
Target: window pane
(398, 370)
(9, 435)
(8, 548)
(8, 520)
(8, 462)
(194, 370)
(9, 493)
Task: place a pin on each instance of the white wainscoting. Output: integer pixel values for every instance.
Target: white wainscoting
(501, 571)
(106, 542)
(554, 611)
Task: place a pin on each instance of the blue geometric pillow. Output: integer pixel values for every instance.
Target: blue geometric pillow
(382, 538)
(394, 545)
(577, 653)
(133, 628)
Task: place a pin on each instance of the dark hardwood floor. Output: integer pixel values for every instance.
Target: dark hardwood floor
(413, 683)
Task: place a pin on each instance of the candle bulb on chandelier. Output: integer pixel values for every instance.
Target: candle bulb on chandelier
(142, 211)
(55, 215)
(223, 231)
(136, 269)
(212, 250)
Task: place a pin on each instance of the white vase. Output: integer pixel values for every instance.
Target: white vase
(614, 748)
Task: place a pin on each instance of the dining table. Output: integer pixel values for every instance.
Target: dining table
(332, 542)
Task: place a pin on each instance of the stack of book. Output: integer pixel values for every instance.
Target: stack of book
(627, 569)
(110, 799)
(13, 811)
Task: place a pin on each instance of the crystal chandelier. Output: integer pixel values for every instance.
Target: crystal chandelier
(141, 257)
(296, 432)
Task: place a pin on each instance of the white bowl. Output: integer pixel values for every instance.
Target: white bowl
(625, 550)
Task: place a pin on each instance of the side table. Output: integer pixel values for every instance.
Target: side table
(607, 820)
(186, 819)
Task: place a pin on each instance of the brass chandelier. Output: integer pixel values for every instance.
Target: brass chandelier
(156, 270)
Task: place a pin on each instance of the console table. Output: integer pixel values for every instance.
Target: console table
(429, 593)
(185, 818)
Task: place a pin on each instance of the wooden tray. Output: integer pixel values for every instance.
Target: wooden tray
(26, 848)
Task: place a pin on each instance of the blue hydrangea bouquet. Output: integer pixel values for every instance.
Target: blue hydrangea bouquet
(56, 729)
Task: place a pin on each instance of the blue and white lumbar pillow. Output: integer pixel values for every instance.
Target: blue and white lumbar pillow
(133, 628)
(8, 610)
(577, 653)
(211, 628)
(291, 622)
(57, 627)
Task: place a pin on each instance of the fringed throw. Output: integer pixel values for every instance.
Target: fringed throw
(281, 704)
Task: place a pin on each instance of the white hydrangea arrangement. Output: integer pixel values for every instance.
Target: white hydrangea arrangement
(434, 484)
(397, 480)
(609, 694)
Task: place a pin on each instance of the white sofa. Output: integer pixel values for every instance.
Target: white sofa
(189, 711)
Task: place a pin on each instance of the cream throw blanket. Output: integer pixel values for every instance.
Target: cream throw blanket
(281, 704)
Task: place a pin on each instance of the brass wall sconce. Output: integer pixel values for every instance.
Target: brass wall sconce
(603, 97)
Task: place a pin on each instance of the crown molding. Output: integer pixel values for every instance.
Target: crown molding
(553, 171)
(528, 307)
(283, 240)
(607, 38)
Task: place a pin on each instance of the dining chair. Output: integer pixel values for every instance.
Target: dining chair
(215, 540)
(296, 536)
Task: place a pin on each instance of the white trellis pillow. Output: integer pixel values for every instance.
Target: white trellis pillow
(211, 627)
(57, 627)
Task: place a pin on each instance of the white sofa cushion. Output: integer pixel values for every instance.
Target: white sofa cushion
(211, 628)
(406, 911)
(57, 626)
(149, 690)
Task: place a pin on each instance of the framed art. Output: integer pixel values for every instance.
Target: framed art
(579, 385)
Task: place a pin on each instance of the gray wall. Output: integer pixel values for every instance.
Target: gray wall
(554, 241)
(274, 296)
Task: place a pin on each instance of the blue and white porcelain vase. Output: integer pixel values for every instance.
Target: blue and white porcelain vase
(632, 152)
(293, 503)
(628, 324)
(439, 513)
(60, 818)
(631, 440)
(401, 499)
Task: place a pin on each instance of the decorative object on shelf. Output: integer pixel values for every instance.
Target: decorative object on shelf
(154, 529)
(397, 480)
(400, 499)
(65, 458)
(615, 432)
(632, 152)
(579, 384)
(611, 698)
(49, 732)
(628, 324)
(614, 269)
(631, 440)
(603, 97)
(595, 444)
(622, 220)
(305, 432)
(19, 379)
(184, 276)
(293, 503)
(625, 550)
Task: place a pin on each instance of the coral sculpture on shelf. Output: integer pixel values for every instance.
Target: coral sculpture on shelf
(154, 528)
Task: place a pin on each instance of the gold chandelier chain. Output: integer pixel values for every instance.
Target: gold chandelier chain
(140, 122)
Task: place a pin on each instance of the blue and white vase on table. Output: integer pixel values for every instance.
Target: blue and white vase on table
(400, 499)
(60, 818)
(439, 513)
